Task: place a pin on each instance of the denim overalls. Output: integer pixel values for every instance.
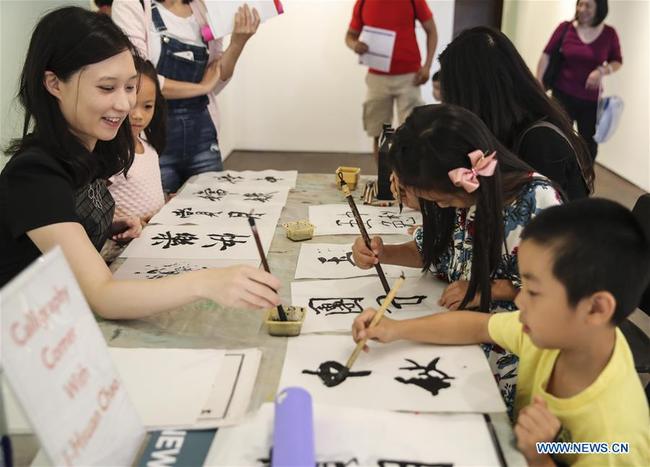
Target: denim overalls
(192, 144)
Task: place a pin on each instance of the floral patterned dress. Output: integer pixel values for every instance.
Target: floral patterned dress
(456, 264)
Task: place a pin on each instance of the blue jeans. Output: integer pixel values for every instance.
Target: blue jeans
(192, 147)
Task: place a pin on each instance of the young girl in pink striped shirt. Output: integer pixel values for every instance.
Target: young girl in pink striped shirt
(140, 193)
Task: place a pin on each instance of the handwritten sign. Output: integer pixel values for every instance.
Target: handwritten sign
(57, 363)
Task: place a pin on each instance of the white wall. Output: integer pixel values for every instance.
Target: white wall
(17, 21)
(297, 86)
(529, 23)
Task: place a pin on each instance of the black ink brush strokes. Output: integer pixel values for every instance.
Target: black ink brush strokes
(334, 373)
(247, 215)
(184, 213)
(234, 179)
(167, 239)
(166, 270)
(227, 240)
(270, 179)
(347, 258)
(424, 378)
(260, 197)
(265, 462)
(398, 302)
(400, 463)
(336, 306)
(211, 195)
(354, 461)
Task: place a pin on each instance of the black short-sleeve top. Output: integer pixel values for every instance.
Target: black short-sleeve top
(36, 190)
(551, 154)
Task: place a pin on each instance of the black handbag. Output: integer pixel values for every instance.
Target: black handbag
(555, 62)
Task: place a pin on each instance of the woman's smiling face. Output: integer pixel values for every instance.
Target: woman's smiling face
(96, 100)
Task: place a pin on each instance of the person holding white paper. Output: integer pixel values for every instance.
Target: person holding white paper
(192, 68)
(78, 85)
(400, 84)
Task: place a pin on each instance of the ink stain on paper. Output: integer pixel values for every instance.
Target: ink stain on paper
(424, 378)
(336, 306)
(334, 373)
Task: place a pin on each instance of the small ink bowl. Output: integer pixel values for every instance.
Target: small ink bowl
(299, 230)
(291, 327)
(350, 175)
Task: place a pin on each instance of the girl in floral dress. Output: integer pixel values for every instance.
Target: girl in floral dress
(476, 197)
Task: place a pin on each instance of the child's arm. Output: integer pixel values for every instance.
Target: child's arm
(451, 298)
(458, 327)
(536, 424)
(403, 254)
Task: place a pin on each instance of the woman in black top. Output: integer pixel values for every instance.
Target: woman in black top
(77, 86)
(482, 71)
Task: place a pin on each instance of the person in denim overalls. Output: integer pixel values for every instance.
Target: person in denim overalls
(192, 141)
(191, 73)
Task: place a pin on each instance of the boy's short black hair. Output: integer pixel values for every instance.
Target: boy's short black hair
(436, 76)
(101, 3)
(599, 246)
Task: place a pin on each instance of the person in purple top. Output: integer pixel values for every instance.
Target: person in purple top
(591, 50)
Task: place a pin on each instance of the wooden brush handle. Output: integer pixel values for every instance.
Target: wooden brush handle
(364, 233)
(375, 320)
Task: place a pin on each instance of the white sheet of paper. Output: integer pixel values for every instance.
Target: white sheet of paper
(206, 213)
(249, 196)
(169, 387)
(257, 178)
(334, 219)
(194, 242)
(413, 439)
(143, 268)
(472, 388)
(232, 389)
(222, 13)
(226, 403)
(332, 305)
(381, 43)
(334, 261)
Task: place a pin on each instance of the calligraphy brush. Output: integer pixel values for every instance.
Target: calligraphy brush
(399, 198)
(258, 242)
(343, 373)
(362, 229)
(375, 320)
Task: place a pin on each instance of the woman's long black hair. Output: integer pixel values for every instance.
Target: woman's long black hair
(64, 41)
(436, 139)
(482, 71)
(156, 131)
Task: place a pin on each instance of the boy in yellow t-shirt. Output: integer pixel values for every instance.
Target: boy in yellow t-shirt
(584, 267)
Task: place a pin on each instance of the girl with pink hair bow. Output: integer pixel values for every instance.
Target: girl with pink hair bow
(476, 197)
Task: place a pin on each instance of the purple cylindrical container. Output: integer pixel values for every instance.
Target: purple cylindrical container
(293, 429)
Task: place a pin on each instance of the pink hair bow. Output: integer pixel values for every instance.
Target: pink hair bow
(481, 165)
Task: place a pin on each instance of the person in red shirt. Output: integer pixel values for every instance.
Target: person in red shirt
(400, 85)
